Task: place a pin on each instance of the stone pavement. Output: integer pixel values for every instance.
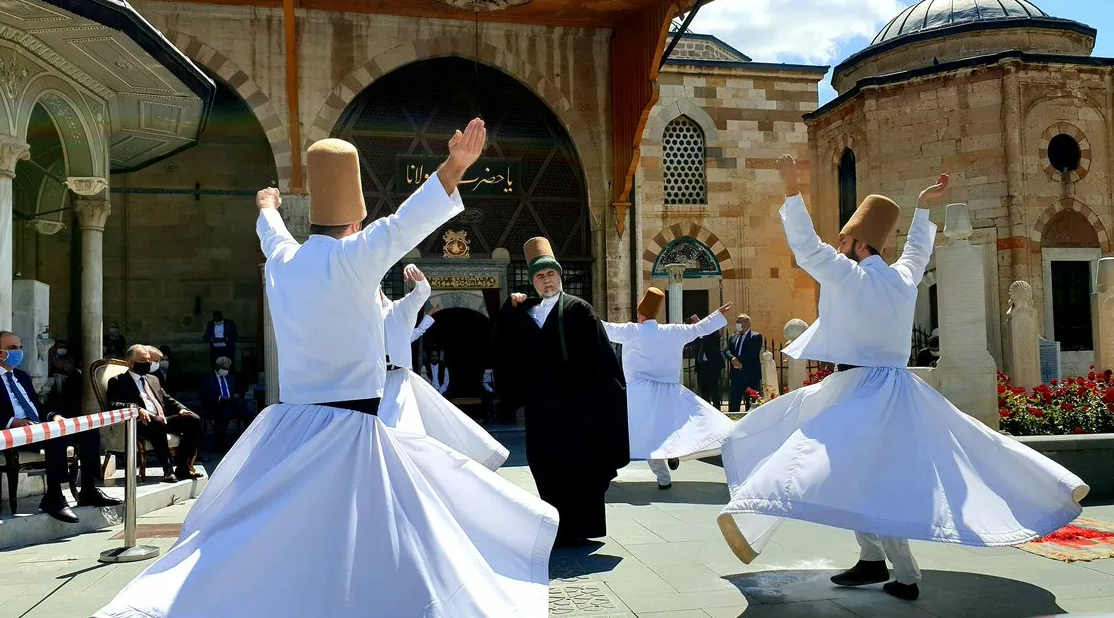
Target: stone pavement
(664, 558)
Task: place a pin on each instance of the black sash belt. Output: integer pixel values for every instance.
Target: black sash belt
(846, 367)
(367, 406)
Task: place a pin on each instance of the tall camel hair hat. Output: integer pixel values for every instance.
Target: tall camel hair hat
(539, 256)
(651, 303)
(873, 222)
(336, 194)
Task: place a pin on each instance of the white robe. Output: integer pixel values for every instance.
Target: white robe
(412, 404)
(665, 419)
(876, 449)
(321, 511)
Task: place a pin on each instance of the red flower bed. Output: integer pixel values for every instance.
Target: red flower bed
(1070, 406)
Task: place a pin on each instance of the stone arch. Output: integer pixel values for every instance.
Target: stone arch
(236, 78)
(1072, 204)
(853, 141)
(680, 230)
(662, 116)
(83, 142)
(499, 59)
(461, 299)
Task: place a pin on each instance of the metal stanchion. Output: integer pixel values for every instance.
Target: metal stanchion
(130, 552)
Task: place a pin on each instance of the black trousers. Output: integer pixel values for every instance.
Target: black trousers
(88, 444)
(707, 385)
(188, 430)
(223, 413)
(740, 382)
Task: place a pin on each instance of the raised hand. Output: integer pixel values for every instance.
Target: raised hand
(787, 169)
(412, 273)
(464, 150)
(726, 309)
(268, 198)
(932, 194)
(517, 299)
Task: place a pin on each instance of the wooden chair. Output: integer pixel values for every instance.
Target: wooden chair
(29, 457)
(114, 437)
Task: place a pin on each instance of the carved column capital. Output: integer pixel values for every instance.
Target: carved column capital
(676, 272)
(957, 223)
(92, 213)
(12, 149)
(86, 185)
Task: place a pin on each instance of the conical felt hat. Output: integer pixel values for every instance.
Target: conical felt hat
(539, 255)
(336, 194)
(873, 222)
(651, 303)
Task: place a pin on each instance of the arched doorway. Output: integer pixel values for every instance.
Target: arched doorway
(463, 337)
(401, 124)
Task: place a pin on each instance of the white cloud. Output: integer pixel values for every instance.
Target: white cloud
(810, 31)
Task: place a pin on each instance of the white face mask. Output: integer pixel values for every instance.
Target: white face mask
(154, 366)
(61, 351)
(164, 364)
(222, 372)
(738, 328)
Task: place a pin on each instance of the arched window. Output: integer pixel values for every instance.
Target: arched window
(848, 198)
(683, 162)
(687, 250)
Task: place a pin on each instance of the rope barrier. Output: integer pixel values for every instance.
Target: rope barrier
(37, 432)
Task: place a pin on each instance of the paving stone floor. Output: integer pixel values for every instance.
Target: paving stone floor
(663, 558)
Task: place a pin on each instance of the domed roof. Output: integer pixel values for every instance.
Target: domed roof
(933, 14)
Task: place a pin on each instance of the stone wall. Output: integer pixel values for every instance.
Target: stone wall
(748, 117)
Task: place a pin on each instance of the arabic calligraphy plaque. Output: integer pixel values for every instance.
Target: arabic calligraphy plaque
(489, 177)
(465, 282)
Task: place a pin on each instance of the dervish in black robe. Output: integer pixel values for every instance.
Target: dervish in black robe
(567, 377)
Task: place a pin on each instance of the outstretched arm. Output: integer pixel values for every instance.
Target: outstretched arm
(707, 326)
(922, 233)
(421, 328)
(274, 238)
(817, 258)
(623, 332)
(411, 304)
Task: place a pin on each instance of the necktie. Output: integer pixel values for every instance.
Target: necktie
(223, 387)
(739, 352)
(151, 395)
(19, 400)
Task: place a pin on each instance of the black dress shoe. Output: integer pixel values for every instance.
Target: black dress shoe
(61, 511)
(97, 498)
(864, 572)
(674, 463)
(907, 592)
(187, 474)
(169, 478)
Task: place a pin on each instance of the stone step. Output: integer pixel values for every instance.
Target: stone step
(31, 527)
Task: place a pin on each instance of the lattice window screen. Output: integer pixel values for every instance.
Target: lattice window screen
(683, 162)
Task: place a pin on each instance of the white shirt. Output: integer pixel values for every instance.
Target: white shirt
(400, 322)
(16, 408)
(141, 384)
(541, 310)
(421, 328)
(489, 380)
(653, 351)
(866, 308)
(329, 325)
(435, 378)
(218, 333)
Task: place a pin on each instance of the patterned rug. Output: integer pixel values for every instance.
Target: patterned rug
(1081, 540)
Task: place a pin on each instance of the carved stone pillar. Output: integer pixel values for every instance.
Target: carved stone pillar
(676, 292)
(1102, 316)
(967, 371)
(12, 149)
(92, 213)
(270, 347)
(770, 384)
(1023, 362)
(796, 371)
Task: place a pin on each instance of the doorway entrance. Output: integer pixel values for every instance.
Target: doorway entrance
(463, 338)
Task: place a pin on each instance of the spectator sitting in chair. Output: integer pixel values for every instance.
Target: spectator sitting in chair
(158, 413)
(20, 407)
(220, 397)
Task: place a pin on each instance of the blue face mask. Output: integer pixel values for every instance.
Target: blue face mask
(15, 357)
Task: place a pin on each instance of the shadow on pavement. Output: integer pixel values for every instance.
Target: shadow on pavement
(943, 593)
(579, 562)
(641, 493)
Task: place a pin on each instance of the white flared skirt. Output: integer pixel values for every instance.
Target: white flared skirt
(878, 450)
(318, 511)
(666, 420)
(412, 404)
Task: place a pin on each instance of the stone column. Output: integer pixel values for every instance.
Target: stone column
(770, 385)
(967, 371)
(1102, 315)
(1023, 361)
(676, 292)
(270, 347)
(92, 213)
(796, 371)
(12, 149)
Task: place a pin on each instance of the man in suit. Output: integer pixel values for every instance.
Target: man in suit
(220, 397)
(221, 335)
(744, 352)
(158, 414)
(19, 407)
(169, 373)
(709, 366)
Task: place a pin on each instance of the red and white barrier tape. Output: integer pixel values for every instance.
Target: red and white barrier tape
(29, 434)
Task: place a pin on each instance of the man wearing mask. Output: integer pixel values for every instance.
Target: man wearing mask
(552, 356)
(221, 335)
(158, 413)
(220, 397)
(744, 353)
(19, 407)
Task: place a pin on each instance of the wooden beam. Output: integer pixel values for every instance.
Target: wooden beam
(297, 177)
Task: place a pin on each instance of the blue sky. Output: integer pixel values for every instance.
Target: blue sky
(825, 32)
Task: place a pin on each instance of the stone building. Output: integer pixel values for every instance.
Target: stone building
(1009, 102)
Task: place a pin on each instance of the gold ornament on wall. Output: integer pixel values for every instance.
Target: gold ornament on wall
(456, 244)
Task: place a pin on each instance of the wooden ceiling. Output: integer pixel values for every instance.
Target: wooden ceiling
(569, 13)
